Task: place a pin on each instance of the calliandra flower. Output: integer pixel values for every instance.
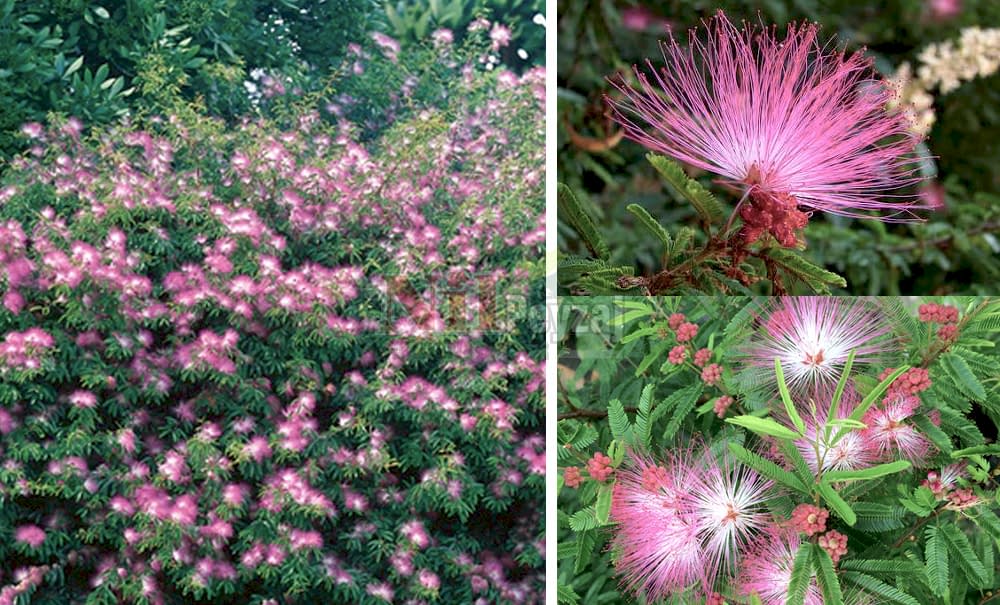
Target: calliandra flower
(659, 550)
(767, 569)
(728, 509)
(792, 123)
(813, 337)
(684, 522)
(853, 451)
(889, 432)
(32, 535)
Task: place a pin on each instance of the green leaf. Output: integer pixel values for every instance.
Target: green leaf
(847, 423)
(566, 595)
(963, 375)
(817, 278)
(936, 561)
(571, 211)
(786, 398)
(879, 470)
(966, 558)
(586, 542)
(764, 426)
(767, 468)
(624, 318)
(978, 450)
(686, 399)
(73, 67)
(704, 203)
(878, 587)
(621, 428)
(603, 506)
(896, 567)
(653, 226)
(876, 517)
(642, 423)
(838, 504)
(584, 519)
(838, 393)
(798, 582)
(829, 585)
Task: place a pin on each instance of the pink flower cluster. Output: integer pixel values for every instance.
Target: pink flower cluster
(273, 338)
(685, 521)
(25, 350)
(210, 350)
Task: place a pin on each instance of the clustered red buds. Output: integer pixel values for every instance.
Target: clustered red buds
(809, 519)
(677, 355)
(712, 374)
(775, 214)
(572, 477)
(675, 320)
(962, 498)
(935, 313)
(834, 543)
(910, 382)
(653, 477)
(721, 405)
(599, 466)
(948, 332)
(686, 332)
(702, 357)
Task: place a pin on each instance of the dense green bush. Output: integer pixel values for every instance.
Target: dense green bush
(276, 363)
(99, 61)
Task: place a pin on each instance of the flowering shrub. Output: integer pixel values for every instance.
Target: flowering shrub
(275, 365)
(845, 453)
(779, 147)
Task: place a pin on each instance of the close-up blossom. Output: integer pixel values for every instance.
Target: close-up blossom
(813, 336)
(789, 121)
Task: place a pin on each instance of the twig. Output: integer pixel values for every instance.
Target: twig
(913, 530)
(581, 413)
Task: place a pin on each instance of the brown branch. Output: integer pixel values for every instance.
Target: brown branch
(913, 530)
(580, 413)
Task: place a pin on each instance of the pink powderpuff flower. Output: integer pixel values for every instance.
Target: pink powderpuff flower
(685, 521)
(32, 535)
(660, 551)
(767, 570)
(852, 451)
(790, 122)
(728, 508)
(428, 579)
(83, 399)
(888, 432)
(813, 337)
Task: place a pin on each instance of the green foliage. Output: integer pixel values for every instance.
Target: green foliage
(689, 261)
(416, 21)
(99, 62)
